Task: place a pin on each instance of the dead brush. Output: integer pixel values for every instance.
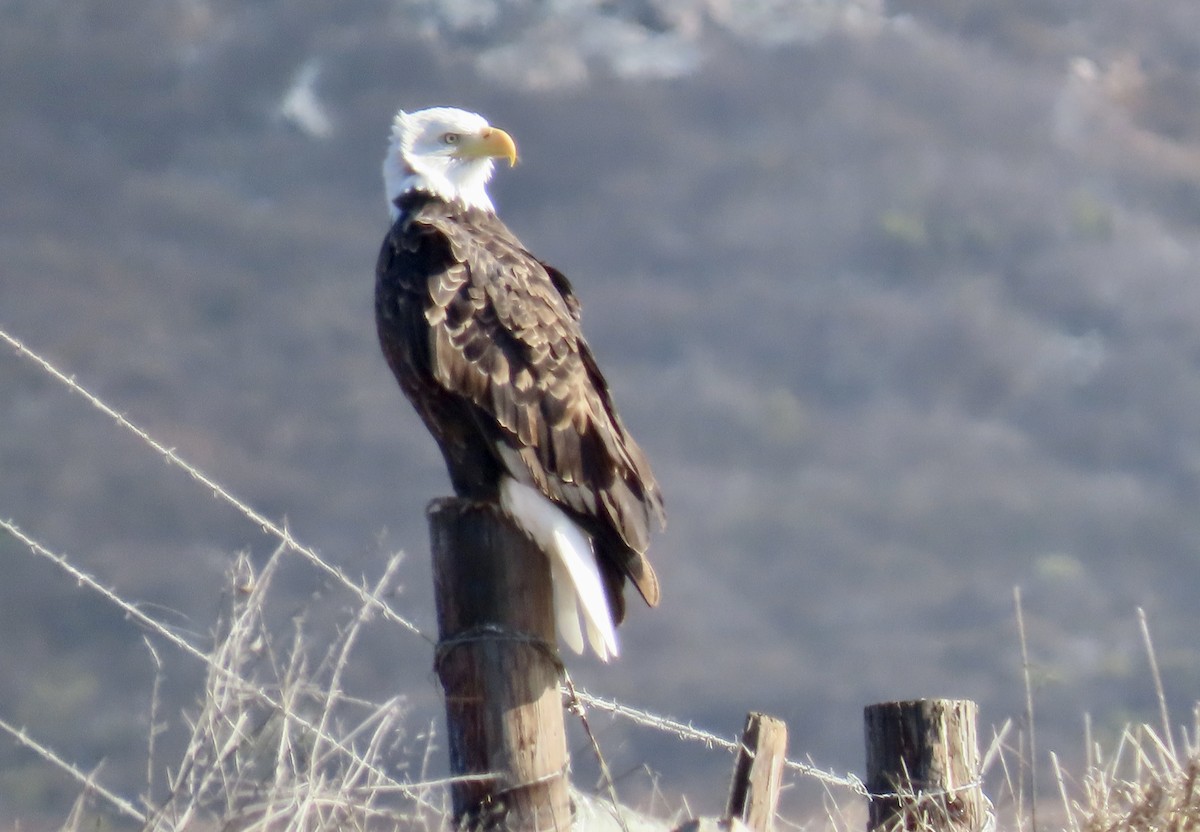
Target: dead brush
(276, 745)
(1148, 783)
(1145, 785)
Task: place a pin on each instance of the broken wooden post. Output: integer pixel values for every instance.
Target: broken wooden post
(499, 668)
(923, 766)
(758, 772)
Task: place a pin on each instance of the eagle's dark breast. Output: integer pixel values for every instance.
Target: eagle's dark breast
(485, 342)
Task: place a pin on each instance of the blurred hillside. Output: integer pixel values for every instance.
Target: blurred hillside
(901, 302)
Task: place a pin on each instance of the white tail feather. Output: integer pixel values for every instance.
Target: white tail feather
(573, 549)
(578, 585)
(566, 613)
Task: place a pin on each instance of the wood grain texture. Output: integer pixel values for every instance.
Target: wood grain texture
(923, 766)
(499, 671)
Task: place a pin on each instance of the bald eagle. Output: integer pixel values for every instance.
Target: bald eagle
(485, 341)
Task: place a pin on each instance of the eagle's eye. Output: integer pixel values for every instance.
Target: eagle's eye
(450, 139)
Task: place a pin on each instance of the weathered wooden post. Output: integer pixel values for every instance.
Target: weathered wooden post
(923, 766)
(498, 664)
(758, 772)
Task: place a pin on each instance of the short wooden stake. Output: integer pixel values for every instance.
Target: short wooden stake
(923, 766)
(758, 772)
(499, 668)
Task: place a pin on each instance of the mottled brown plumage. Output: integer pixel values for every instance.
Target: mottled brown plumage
(486, 343)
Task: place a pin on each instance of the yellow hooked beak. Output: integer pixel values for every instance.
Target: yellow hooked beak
(492, 143)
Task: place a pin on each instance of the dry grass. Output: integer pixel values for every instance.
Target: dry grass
(1143, 784)
(1147, 782)
(275, 743)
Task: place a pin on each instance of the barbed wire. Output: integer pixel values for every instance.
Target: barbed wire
(88, 781)
(687, 731)
(219, 491)
(638, 716)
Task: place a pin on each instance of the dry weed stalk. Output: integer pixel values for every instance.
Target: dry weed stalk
(276, 746)
(1150, 783)
(1146, 786)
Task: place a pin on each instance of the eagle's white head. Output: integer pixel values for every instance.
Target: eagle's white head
(444, 151)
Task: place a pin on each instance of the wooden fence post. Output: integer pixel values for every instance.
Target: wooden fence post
(923, 766)
(758, 772)
(498, 664)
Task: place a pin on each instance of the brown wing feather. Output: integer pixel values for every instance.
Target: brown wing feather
(504, 334)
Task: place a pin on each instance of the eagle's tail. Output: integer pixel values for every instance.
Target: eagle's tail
(578, 585)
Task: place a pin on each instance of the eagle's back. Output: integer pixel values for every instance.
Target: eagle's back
(485, 341)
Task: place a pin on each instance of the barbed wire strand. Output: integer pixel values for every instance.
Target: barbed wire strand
(219, 491)
(131, 611)
(638, 716)
(687, 731)
(88, 780)
(575, 706)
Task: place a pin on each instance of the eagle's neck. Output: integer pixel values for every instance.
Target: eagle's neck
(462, 182)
